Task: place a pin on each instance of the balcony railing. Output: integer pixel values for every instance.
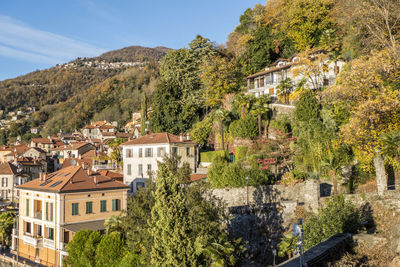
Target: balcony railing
(31, 240)
(38, 215)
(110, 166)
(48, 243)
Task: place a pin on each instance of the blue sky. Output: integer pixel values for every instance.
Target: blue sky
(39, 34)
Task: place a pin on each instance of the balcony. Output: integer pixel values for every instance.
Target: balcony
(110, 166)
(38, 215)
(48, 243)
(32, 240)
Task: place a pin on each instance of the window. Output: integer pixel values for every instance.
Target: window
(4, 182)
(149, 167)
(116, 204)
(128, 152)
(39, 230)
(140, 169)
(75, 208)
(140, 152)
(103, 205)
(51, 234)
(149, 152)
(161, 152)
(129, 171)
(174, 151)
(28, 227)
(27, 207)
(89, 207)
(262, 82)
(47, 211)
(188, 151)
(51, 211)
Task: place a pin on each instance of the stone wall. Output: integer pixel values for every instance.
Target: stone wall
(304, 194)
(279, 109)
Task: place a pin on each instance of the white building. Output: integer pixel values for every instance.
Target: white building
(140, 155)
(267, 81)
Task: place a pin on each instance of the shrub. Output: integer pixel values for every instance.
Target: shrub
(244, 128)
(221, 174)
(209, 156)
(241, 152)
(338, 216)
(282, 123)
(201, 131)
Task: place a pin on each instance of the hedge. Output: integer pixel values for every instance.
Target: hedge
(209, 156)
(241, 152)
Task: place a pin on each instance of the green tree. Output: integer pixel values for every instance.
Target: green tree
(113, 224)
(201, 131)
(110, 250)
(7, 220)
(285, 87)
(244, 102)
(221, 115)
(244, 128)
(82, 248)
(143, 118)
(169, 225)
(3, 137)
(259, 109)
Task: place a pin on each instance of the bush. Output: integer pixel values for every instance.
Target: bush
(241, 152)
(209, 156)
(201, 131)
(282, 123)
(338, 216)
(221, 174)
(244, 128)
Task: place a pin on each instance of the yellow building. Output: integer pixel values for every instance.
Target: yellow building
(55, 206)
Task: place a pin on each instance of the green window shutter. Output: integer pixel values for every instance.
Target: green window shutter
(51, 211)
(103, 205)
(114, 205)
(89, 207)
(47, 211)
(75, 208)
(27, 207)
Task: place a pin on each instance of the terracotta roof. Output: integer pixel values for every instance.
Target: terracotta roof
(92, 154)
(42, 140)
(111, 174)
(270, 70)
(5, 148)
(108, 134)
(197, 177)
(8, 168)
(106, 127)
(71, 179)
(38, 149)
(89, 127)
(72, 146)
(76, 162)
(123, 135)
(158, 138)
(95, 140)
(21, 148)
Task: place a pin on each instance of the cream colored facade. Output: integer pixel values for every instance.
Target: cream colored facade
(46, 217)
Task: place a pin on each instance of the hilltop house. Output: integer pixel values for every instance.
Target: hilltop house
(141, 155)
(47, 144)
(74, 150)
(267, 81)
(8, 178)
(55, 206)
(95, 130)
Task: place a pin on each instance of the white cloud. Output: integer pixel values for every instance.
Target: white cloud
(21, 41)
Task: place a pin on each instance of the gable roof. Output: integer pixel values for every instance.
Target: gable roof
(71, 179)
(158, 138)
(42, 140)
(8, 168)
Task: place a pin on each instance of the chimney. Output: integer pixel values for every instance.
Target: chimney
(95, 180)
(181, 137)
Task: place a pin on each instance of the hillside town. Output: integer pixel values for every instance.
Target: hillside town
(279, 147)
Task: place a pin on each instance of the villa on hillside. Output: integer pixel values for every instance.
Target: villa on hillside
(140, 156)
(267, 81)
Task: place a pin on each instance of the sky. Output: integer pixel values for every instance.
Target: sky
(42, 33)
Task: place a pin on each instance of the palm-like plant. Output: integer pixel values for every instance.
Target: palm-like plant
(285, 87)
(259, 108)
(113, 224)
(221, 115)
(244, 102)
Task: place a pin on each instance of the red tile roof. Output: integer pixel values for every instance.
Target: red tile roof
(72, 179)
(42, 140)
(8, 168)
(158, 138)
(197, 177)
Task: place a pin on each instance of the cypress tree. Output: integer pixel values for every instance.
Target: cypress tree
(170, 227)
(143, 118)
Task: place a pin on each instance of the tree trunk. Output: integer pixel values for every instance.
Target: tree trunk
(381, 183)
(334, 181)
(259, 125)
(221, 128)
(243, 112)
